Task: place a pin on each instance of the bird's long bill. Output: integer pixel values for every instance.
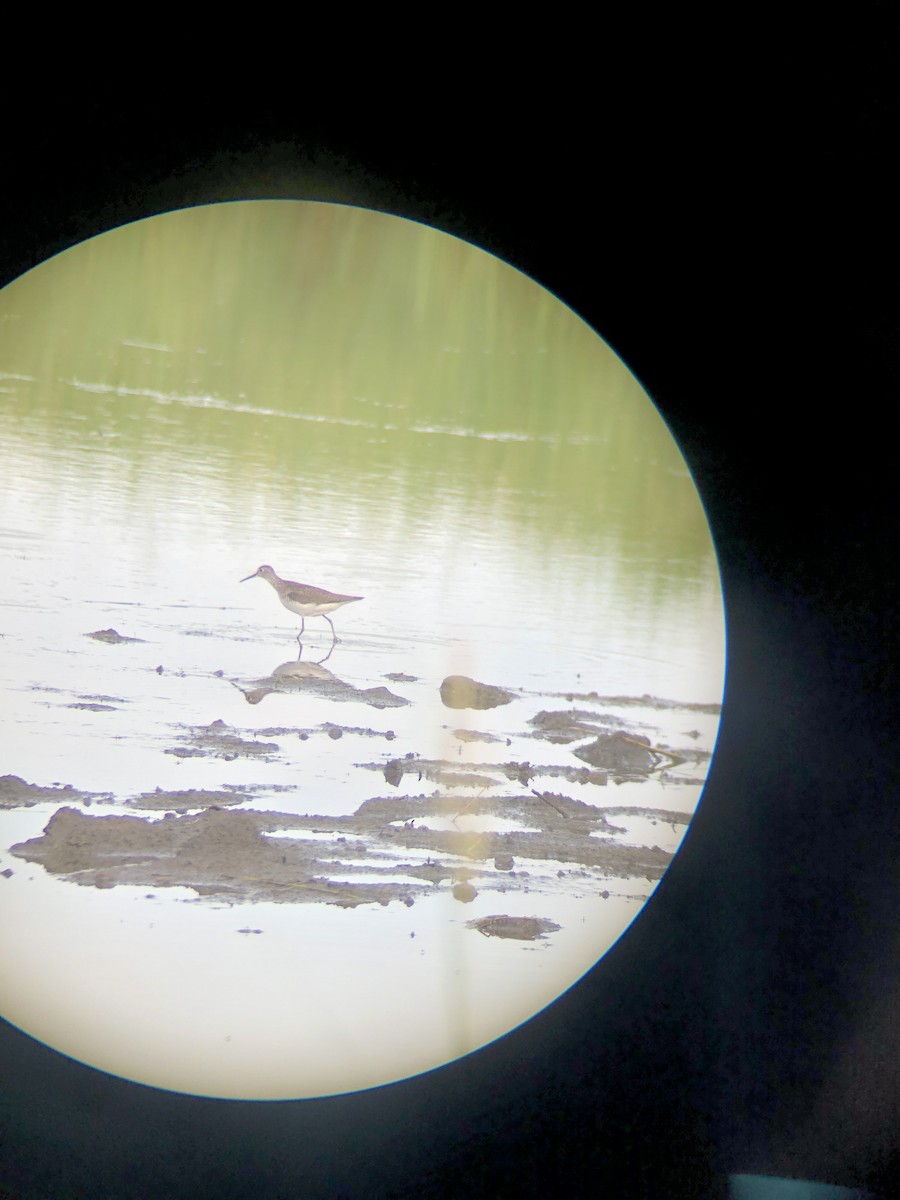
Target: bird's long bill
(246, 577)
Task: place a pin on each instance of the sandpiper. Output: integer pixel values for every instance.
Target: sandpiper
(303, 599)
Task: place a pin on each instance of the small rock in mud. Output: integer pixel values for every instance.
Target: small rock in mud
(459, 691)
(393, 773)
(400, 677)
(521, 772)
(504, 862)
(524, 929)
(464, 892)
(111, 637)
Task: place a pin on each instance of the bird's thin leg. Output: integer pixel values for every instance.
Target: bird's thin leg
(334, 637)
(302, 627)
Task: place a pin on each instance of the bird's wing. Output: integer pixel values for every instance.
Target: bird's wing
(304, 594)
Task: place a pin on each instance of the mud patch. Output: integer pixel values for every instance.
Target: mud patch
(623, 756)
(477, 735)
(186, 801)
(384, 851)
(571, 725)
(523, 929)
(451, 774)
(486, 826)
(659, 703)
(218, 741)
(16, 793)
(439, 771)
(111, 637)
(296, 676)
(217, 853)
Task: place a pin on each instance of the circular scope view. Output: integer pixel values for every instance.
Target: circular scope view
(363, 649)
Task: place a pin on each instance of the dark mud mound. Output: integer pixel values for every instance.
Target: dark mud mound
(624, 756)
(217, 853)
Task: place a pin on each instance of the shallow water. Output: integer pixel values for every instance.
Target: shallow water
(509, 505)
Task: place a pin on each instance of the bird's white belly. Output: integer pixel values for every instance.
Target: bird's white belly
(314, 608)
